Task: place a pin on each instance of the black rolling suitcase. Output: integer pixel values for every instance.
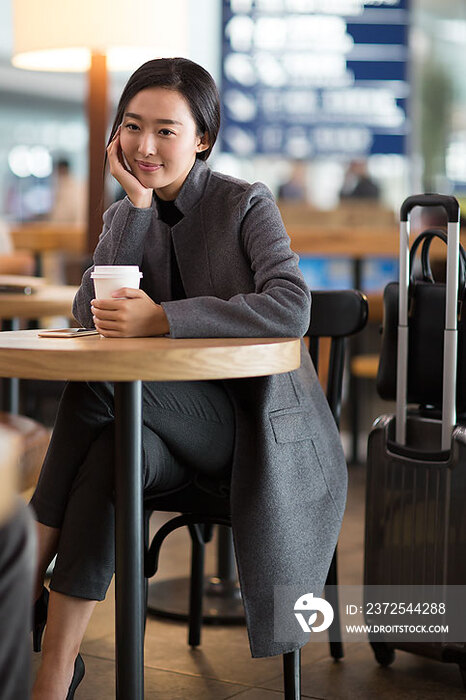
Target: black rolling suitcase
(415, 531)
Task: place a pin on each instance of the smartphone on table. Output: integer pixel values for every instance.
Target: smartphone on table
(67, 332)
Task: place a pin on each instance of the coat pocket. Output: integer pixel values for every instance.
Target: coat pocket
(291, 426)
(316, 453)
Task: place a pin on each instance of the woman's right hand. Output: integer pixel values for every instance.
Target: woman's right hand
(139, 195)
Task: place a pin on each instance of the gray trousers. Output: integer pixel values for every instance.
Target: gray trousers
(188, 428)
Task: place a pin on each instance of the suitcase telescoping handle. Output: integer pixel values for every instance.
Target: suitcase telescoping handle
(451, 206)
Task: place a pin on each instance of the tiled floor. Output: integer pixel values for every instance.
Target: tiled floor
(222, 667)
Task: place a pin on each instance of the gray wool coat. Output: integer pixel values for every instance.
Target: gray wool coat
(241, 278)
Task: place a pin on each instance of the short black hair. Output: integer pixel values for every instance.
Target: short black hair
(191, 80)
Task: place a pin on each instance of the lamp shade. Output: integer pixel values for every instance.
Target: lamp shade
(61, 35)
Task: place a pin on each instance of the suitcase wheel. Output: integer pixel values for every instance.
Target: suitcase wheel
(384, 654)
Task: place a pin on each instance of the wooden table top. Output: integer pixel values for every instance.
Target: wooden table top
(342, 241)
(94, 358)
(23, 280)
(321, 239)
(353, 242)
(371, 238)
(42, 236)
(46, 300)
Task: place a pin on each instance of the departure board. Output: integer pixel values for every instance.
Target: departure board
(307, 78)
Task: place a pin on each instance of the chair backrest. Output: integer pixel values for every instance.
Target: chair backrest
(335, 315)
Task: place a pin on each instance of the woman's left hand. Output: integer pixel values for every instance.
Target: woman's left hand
(134, 316)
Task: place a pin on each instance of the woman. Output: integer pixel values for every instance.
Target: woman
(216, 262)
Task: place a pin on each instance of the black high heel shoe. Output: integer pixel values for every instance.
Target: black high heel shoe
(39, 619)
(78, 675)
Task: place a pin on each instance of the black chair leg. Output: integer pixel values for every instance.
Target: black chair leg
(292, 675)
(146, 596)
(146, 580)
(196, 585)
(336, 647)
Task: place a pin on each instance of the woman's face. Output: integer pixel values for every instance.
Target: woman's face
(159, 140)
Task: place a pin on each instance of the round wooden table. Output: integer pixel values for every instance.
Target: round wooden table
(44, 300)
(44, 236)
(24, 280)
(127, 361)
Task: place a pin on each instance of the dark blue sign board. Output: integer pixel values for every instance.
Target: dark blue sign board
(306, 78)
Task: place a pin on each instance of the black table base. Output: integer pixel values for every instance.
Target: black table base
(221, 597)
(129, 542)
(222, 603)
(10, 386)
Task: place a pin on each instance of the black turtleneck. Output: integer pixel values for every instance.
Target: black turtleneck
(170, 215)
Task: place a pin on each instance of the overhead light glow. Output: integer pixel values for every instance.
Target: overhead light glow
(40, 162)
(53, 35)
(18, 160)
(25, 161)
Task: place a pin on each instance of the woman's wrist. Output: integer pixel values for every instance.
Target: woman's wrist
(141, 201)
(161, 325)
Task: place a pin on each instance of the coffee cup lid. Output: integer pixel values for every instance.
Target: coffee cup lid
(115, 270)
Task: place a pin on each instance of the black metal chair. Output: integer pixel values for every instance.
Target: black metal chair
(335, 315)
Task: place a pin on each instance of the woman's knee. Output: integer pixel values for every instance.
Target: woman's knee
(97, 471)
(161, 471)
(82, 393)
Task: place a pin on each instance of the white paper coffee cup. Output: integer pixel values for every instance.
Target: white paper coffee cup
(109, 278)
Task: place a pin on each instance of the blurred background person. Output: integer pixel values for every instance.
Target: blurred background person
(295, 188)
(69, 196)
(358, 184)
(68, 207)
